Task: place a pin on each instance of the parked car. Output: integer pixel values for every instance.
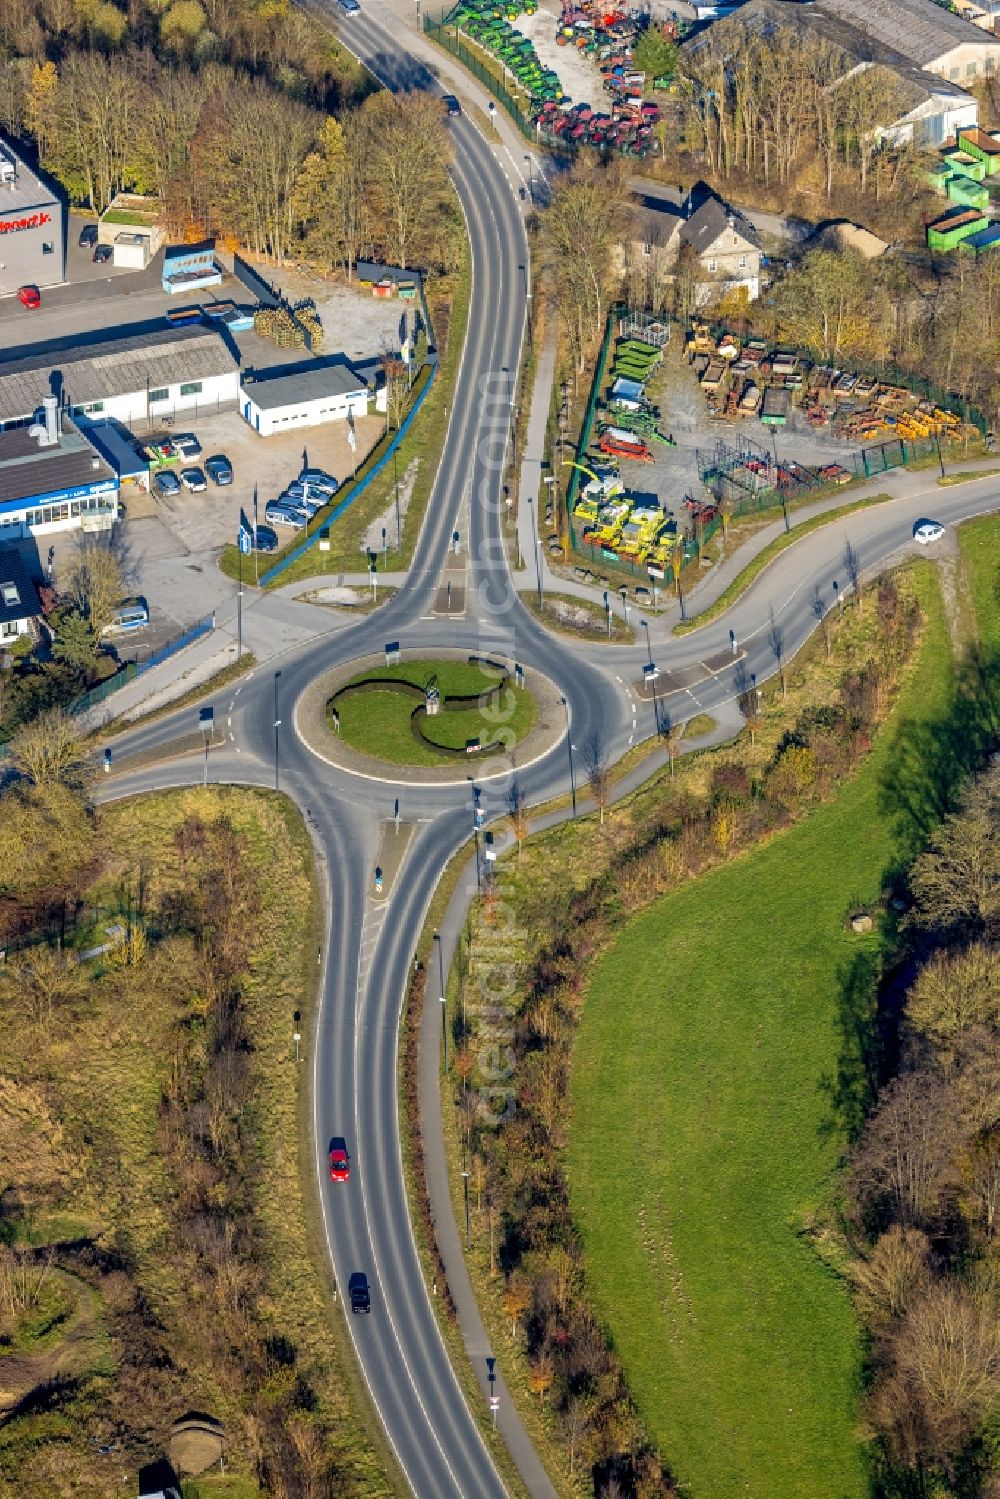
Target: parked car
(284, 515)
(194, 480)
(926, 531)
(187, 445)
(167, 482)
(160, 449)
(318, 478)
(340, 1165)
(102, 254)
(357, 1286)
(130, 614)
(29, 296)
(88, 236)
(265, 540)
(219, 469)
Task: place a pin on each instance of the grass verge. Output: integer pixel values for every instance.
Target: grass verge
(581, 618)
(757, 565)
(717, 1073)
(979, 544)
(421, 447)
(966, 476)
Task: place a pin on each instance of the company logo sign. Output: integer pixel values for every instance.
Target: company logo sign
(33, 221)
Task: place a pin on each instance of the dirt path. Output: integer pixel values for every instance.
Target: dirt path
(20, 1373)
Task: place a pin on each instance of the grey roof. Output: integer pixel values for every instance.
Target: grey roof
(113, 367)
(844, 24)
(374, 270)
(918, 30)
(27, 190)
(23, 602)
(711, 221)
(29, 472)
(311, 383)
(654, 222)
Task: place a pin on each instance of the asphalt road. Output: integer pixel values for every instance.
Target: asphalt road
(370, 948)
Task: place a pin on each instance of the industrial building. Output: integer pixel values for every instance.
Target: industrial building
(931, 51)
(322, 391)
(32, 227)
(142, 378)
(52, 479)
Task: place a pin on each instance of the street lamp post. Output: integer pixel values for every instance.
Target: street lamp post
(277, 726)
(537, 549)
(444, 1001)
(531, 177)
(478, 817)
(468, 1222)
(395, 475)
(649, 647)
(607, 611)
(569, 750)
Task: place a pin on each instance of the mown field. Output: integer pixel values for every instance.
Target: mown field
(719, 1066)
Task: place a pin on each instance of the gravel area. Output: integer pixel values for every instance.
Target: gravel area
(579, 76)
(387, 520)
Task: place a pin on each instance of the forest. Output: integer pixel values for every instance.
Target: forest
(246, 121)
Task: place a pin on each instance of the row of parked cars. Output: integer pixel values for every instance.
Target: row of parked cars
(296, 506)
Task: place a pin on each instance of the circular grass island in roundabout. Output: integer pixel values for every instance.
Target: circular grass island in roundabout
(432, 711)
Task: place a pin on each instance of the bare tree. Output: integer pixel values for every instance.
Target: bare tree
(957, 882)
(598, 775)
(672, 733)
(517, 814)
(852, 567)
(954, 992)
(747, 700)
(95, 581)
(891, 1274)
(576, 1423)
(903, 1167)
(776, 640)
(396, 388)
(50, 748)
(819, 610)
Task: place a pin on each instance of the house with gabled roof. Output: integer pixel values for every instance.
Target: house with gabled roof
(725, 243)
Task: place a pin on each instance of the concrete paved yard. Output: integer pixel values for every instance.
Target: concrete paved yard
(172, 544)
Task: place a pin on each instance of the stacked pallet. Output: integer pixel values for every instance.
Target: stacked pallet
(280, 326)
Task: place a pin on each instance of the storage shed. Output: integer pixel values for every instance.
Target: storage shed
(305, 396)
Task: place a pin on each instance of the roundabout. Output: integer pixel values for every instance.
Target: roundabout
(439, 718)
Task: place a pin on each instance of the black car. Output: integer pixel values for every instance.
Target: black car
(102, 254)
(265, 539)
(219, 469)
(88, 236)
(452, 105)
(361, 1300)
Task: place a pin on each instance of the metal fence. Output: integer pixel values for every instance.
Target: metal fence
(617, 311)
(449, 39)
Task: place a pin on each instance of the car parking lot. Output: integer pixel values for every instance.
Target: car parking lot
(172, 543)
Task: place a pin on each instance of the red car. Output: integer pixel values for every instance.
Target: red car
(340, 1165)
(29, 296)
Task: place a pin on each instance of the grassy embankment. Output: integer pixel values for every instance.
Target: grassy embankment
(377, 721)
(719, 1034)
(767, 554)
(90, 1092)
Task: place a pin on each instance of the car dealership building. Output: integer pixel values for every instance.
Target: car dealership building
(32, 227)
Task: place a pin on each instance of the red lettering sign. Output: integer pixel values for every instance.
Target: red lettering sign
(33, 221)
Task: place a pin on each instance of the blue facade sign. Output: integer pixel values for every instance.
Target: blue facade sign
(59, 496)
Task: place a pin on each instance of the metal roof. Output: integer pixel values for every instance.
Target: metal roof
(27, 189)
(113, 367)
(115, 444)
(18, 595)
(918, 30)
(311, 383)
(843, 22)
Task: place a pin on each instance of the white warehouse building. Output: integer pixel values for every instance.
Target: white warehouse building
(140, 379)
(303, 397)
